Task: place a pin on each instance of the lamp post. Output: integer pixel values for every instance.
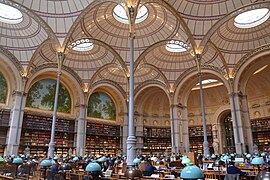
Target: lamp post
(131, 7)
(60, 58)
(205, 142)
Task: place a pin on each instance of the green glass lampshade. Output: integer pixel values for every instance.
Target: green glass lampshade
(225, 158)
(257, 160)
(75, 159)
(56, 157)
(17, 160)
(45, 163)
(191, 172)
(263, 154)
(136, 161)
(102, 159)
(2, 159)
(248, 156)
(213, 156)
(93, 167)
(186, 160)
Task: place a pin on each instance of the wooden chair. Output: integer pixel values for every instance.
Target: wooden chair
(37, 175)
(68, 175)
(210, 175)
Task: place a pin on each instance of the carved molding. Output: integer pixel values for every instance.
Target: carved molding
(11, 57)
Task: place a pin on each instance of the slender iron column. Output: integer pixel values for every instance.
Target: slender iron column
(52, 143)
(205, 142)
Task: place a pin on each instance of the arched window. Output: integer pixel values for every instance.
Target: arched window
(100, 105)
(42, 94)
(228, 133)
(3, 89)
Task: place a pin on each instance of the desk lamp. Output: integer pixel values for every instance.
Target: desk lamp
(191, 172)
(17, 161)
(94, 168)
(257, 161)
(46, 163)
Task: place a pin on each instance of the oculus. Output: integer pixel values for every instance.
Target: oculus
(176, 46)
(252, 18)
(119, 13)
(9, 14)
(81, 45)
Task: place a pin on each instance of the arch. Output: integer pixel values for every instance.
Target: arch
(4, 89)
(121, 104)
(234, 13)
(163, 3)
(183, 82)
(71, 82)
(43, 98)
(248, 65)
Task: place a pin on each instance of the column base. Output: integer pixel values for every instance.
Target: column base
(51, 150)
(131, 150)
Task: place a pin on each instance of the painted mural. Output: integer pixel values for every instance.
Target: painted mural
(42, 94)
(101, 106)
(3, 89)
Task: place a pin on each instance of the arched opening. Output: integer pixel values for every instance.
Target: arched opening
(227, 133)
(3, 89)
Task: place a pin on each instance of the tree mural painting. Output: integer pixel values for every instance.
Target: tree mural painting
(101, 106)
(3, 89)
(42, 94)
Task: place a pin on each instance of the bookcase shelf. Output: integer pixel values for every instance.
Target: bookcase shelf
(156, 139)
(36, 133)
(196, 138)
(102, 138)
(261, 132)
(4, 125)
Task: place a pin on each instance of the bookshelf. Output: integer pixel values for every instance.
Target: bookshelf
(102, 138)
(36, 134)
(261, 132)
(196, 138)
(156, 139)
(4, 125)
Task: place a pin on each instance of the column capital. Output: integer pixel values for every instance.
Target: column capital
(19, 93)
(82, 105)
(239, 94)
(179, 105)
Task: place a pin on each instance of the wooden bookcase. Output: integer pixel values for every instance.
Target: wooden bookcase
(36, 134)
(156, 140)
(261, 132)
(4, 125)
(196, 138)
(102, 138)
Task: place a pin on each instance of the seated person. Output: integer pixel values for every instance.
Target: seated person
(231, 169)
(149, 169)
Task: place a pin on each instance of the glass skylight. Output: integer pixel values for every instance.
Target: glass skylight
(120, 14)
(252, 18)
(82, 45)
(10, 15)
(176, 46)
(208, 81)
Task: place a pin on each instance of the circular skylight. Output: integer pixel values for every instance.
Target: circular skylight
(10, 14)
(82, 45)
(251, 18)
(176, 46)
(120, 14)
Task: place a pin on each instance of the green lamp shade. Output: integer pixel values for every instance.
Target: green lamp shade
(46, 162)
(93, 167)
(257, 160)
(75, 159)
(2, 159)
(226, 157)
(263, 154)
(213, 156)
(102, 159)
(186, 160)
(191, 172)
(136, 161)
(56, 158)
(248, 156)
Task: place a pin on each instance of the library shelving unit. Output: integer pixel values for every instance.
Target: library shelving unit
(196, 138)
(102, 138)
(4, 125)
(261, 132)
(36, 134)
(156, 140)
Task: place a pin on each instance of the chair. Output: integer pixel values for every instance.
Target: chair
(210, 175)
(68, 175)
(37, 175)
(108, 174)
